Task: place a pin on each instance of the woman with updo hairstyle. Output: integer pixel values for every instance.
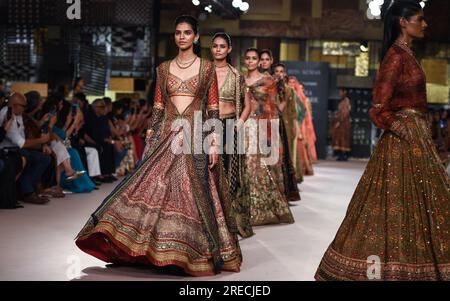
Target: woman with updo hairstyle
(269, 194)
(397, 225)
(173, 210)
(234, 110)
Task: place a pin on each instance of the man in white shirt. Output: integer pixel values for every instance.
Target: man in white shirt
(37, 161)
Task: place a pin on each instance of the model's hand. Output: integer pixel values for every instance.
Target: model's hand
(149, 134)
(213, 157)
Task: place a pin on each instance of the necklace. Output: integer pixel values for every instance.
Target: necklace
(405, 46)
(183, 65)
(186, 62)
(408, 50)
(403, 42)
(253, 78)
(221, 67)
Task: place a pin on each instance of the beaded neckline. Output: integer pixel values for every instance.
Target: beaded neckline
(405, 47)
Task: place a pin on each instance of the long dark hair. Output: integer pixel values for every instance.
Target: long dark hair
(227, 38)
(392, 11)
(63, 114)
(77, 81)
(194, 24)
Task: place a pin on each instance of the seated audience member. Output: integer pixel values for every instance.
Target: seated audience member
(11, 164)
(98, 134)
(35, 150)
(69, 118)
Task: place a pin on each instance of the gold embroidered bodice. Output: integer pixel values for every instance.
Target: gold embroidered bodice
(178, 87)
(227, 92)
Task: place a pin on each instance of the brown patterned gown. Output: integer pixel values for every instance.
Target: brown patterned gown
(268, 198)
(341, 133)
(400, 211)
(172, 210)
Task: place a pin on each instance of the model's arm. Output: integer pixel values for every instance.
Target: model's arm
(156, 119)
(213, 113)
(247, 108)
(380, 113)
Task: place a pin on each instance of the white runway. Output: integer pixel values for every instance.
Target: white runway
(37, 242)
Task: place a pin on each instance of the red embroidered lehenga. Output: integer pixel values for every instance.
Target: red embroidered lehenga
(400, 211)
(172, 210)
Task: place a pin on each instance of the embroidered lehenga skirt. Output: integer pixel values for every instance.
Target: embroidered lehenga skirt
(234, 166)
(341, 136)
(399, 214)
(305, 157)
(168, 212)
(268, 202)
(290, 178)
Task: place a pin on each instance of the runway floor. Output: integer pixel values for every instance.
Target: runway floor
(37, 242)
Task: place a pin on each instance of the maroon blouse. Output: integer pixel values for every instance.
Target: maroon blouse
(400, 84)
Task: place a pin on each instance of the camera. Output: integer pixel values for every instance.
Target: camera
(9, 113)
(52, 112)
(74, 109)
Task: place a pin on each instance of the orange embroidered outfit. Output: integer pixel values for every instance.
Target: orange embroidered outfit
(172, 210)
(400, 211)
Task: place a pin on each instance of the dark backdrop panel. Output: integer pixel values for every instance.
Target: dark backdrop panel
(93, 69)
(93, 12)
(361, 124)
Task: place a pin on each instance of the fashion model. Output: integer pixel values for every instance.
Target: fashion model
(397, 225)
(173, 209)
(269, 204)
(234, 110)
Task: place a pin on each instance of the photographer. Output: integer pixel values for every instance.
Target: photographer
(11, 164)
(34, 150)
